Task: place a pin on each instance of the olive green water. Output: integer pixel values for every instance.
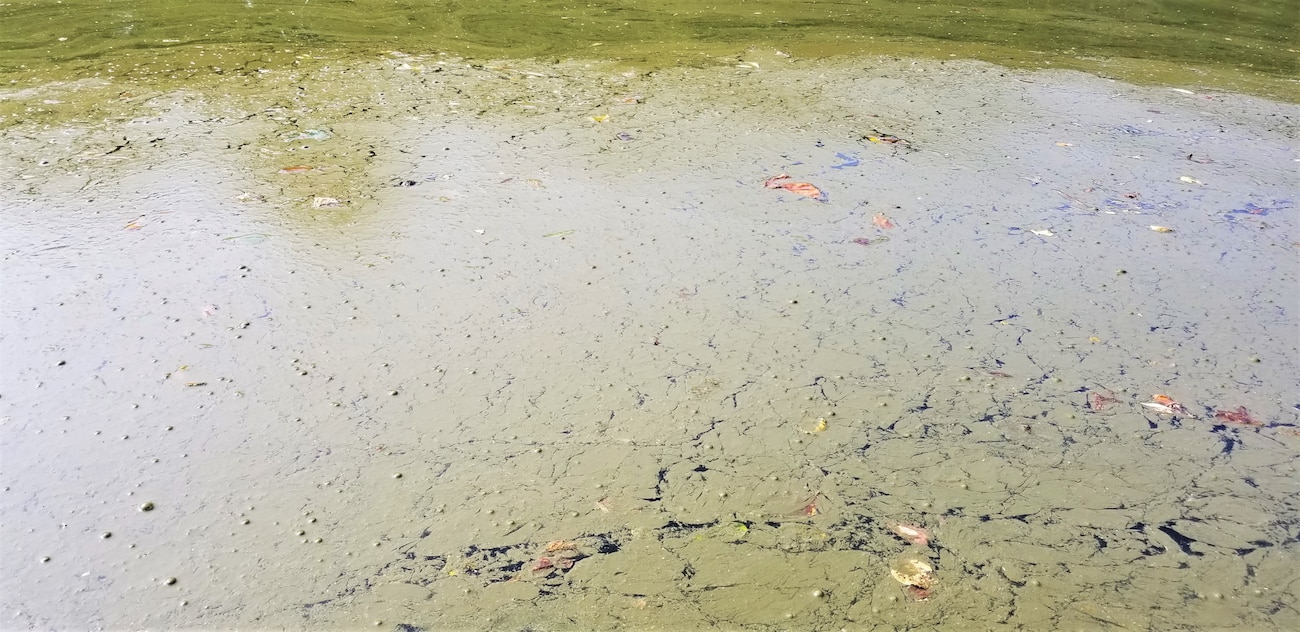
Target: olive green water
(1248, 46)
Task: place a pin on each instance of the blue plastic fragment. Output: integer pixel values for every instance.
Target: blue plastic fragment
(849, 161)
(1252, 208)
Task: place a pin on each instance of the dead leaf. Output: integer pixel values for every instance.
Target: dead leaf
(1099, 401)
(882, 221)
(803, 188)
(1240, 417)
(774, 182)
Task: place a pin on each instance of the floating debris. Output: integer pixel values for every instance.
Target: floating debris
(1254, 209)
(802, 188)
(912, 533)
(561, 545)
(910, 571)
(1240, 417)
(1165, 405)
(881, 138)
(1098, 401)
(816, 427)
(810, 507)
(311, 134)
(916, 593)
(557, 557)
(250, 238)
(847, 161)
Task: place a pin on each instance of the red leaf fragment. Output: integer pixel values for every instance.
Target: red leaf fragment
(802, 188)
(916, 593)
(1098, 402)
(774, 182)
(1239, 417)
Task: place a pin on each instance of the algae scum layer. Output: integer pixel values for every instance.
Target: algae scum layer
(1244, 46)
(343, 327)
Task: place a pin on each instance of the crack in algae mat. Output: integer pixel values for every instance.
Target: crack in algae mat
(418, 343)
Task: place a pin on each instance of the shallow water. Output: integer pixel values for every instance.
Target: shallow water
(371, 336)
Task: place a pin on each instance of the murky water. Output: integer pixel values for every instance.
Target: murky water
(423, 343)
(303, 332)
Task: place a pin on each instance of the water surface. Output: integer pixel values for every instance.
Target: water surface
(331, 315)
(442, 344)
